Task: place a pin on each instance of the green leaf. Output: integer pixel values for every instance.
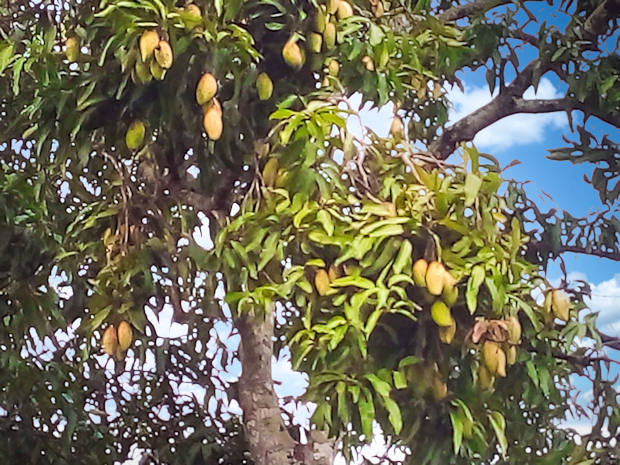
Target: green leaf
(400, 380)
(367, 412)
(381, 387)
(325, 219)
(403, 259)
(472, 186)
(6, 54)
(394, 414)
(498, 423)
(457, 431)
(473, 286)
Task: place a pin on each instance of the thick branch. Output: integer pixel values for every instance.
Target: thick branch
(595, 253)
(470, 9)
(269, 441)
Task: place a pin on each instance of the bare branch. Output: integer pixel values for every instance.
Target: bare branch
(469, 9)
(610, 341)
(596, 252)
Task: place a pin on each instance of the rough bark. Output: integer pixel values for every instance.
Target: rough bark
(269, 441)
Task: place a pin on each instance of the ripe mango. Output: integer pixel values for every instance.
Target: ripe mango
(72, 49)
(125, 335)
(316, 42)
(397, 128)
(511, 355)
(164, 55)
(514, 329)
(333, 272)
(485, 378)
(134, 137)
(446, 333)
(321, 282)
(292, 54)
(368, 63)
(560, 304)
(419, 272)
(329, 36)
(149, 40)
(193, 9)
(435, 277)
(320, 19)
(345, 10)
(494, 358)
(206, 88)
(264, 86)
(333, 68)
(212, 120)
(332, 6)
(109, 341)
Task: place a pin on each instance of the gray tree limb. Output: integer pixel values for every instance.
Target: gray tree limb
(269, 441)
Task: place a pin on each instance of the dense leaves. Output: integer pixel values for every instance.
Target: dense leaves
(114, 180)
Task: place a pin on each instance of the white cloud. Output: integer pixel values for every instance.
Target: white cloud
(511, 131)
(606, 300)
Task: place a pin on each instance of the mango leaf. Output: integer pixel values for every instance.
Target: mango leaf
(498, 423)
(473, 286)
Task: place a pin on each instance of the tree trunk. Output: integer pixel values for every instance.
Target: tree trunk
(269, 441)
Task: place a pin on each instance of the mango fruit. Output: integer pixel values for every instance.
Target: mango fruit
(435, 277)
(369, 64)
(514, 330)
(212, 120)
(320, 19)
(397, 128)
(345, 10)
(292, 54)
(321, 282)
(264, 86)
(156, 70)
(206, 88)
(494, 358)
(164, 55)
(109, 341)
(72, 49)
(329, 36)
(270, 172)
(419, 272)
(446, 333)
(316, 42)
(333, 68)
(485, 378)
(193, 9)
(125, 335)
(440, 313)
(560, 304)
(149, 40)
(511, 355)
(134, 137)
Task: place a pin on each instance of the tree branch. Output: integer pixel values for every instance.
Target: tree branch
(609, 341)
(595, 253)
(269, 441)
(469, 9)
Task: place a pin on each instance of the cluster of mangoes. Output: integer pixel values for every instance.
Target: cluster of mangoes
(117, 339)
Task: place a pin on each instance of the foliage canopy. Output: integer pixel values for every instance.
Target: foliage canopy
(405, 274)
